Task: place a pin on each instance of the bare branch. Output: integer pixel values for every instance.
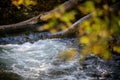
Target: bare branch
(41, 17)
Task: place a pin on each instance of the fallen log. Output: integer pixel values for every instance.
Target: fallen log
(41, 17)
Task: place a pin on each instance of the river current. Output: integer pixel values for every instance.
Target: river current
(53, 59)
(39, 60)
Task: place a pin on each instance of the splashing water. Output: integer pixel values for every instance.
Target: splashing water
(39, 60)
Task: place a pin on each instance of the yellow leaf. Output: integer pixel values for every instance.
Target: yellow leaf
(105, 7)
(106, 55)
(84, 40)
(57, 15)
(17, 3)
(116, 48)
(63, 27)
(97, 49)
(104, 34)
(46, 27)
(68, 55)
(30, 2)
(53, 30)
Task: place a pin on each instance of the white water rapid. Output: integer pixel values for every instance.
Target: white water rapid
(38, 61)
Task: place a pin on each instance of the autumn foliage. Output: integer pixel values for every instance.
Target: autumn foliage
(97, 33)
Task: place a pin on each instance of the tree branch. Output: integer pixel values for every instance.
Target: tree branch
(41, 17)
(74, 27)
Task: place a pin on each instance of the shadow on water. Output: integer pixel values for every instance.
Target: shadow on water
(9, 76)
(20, 39)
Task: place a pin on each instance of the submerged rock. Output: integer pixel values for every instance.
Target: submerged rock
(101, 69)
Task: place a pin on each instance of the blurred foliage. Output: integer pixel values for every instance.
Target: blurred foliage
(26, 3)
(60, 21)
(68, 55)
(95, 34)
(14, 11)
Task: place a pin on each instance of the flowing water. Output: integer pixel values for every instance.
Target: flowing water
(47, 60)
(39, 60)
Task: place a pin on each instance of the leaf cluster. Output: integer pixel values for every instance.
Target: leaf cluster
(95, 34)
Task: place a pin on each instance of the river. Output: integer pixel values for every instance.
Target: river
(40, 61)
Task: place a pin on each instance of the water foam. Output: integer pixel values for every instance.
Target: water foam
(37, 60)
